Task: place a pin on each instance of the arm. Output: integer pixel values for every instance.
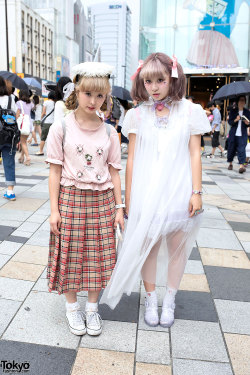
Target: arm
(115, 177)
(54, 187)
(18, 113)
(129, 170)
(233, 118)
(43, 112)
(194, 149)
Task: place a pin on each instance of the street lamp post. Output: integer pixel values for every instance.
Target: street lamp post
(7, 36)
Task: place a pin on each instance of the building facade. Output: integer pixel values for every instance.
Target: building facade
(112, 38)
(83, 33)
(209, 37)
(30, 41)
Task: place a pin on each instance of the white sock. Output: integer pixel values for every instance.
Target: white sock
(9, 192)
(151, 296)
(72, 306)
(169, 297)
(91, 306)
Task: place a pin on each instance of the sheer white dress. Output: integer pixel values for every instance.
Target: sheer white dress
(159, 233)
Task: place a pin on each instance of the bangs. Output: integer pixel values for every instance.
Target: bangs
(153, 69)
(94, 84)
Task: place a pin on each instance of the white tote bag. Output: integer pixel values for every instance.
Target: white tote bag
(23, 122)
(248, 150)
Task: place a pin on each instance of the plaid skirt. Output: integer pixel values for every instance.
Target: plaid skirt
(83, 256)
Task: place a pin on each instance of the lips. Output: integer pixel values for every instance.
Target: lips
(156, 94)
(91, 108)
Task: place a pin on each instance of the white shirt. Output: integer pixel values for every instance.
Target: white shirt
(122, 116)
(60, 110)
(238, 131)
(38, 112)
(4, 102)
(49, 105)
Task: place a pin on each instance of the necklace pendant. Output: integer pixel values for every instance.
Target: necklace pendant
(160, 107)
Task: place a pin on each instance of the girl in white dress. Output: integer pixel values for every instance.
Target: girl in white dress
(163, 186)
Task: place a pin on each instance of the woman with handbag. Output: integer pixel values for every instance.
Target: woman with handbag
(47, 120)
(8, 153)
(24, 107)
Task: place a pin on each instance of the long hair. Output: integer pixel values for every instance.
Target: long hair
(24, 96)
(155, 66)
(3, 87)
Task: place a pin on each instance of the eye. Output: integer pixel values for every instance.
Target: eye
(87, 93)
(147, 81)
(160, 80)
(100, 96)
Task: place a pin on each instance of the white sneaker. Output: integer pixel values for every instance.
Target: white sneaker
(93, 323)
(167, 316)
(151, 316)
(76, 322)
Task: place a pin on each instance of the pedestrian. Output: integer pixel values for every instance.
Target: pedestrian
(124, 107)
(60, 98)
(47, 120)
(24, 106)
(37, 120)
(163, 186)
(215, 129)
(239, 119)
(7, 151)
(85, 194)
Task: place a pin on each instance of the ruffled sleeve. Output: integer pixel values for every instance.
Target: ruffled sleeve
(54, 144)
(114, 156)
(199, 123)
(130, 125)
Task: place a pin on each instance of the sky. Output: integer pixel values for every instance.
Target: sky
(134, 6)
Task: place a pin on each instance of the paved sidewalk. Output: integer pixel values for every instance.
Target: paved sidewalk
(211, 334)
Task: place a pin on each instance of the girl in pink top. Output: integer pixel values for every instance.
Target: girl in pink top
(85, 193)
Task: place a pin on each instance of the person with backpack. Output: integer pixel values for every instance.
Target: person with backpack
(85, 196)
(47, 120)
(23, 115)
(8, 141)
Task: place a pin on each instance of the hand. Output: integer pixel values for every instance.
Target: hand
(55, 223)
(195, 204)
(246, 122)
(119, 219)
(237, 118)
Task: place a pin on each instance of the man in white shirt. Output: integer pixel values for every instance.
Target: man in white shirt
(215, 130)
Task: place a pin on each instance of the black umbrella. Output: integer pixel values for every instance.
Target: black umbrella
(121, 93)
(16, 81)
(232, 90)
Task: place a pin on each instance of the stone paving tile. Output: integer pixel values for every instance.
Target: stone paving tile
(29, 227)
(153, 347)
(149, 369)
(5, 232)
(189, 367)
(243, 236)
(43, 359)
(246, 245)
(195, 306)
(240, 226)
(126, 310)
(214, 223)
(36, 218)
(9, 248)
(19, 215)
(14, 289)
(104, 363)
(194, 267)
(49, 310)
(195, 254)
(40, 238)
(22, 271)
(198, 340)
(117, 336)
(26, 204)
(10, 223)
(32, 254)
(228, 283)
(212, 212)
(4, 259)
(17, 239)
(21, 233)
(8, 310)
(195, 283)
(218, 238)
(238, 347)
(224, 258)
(234, 316)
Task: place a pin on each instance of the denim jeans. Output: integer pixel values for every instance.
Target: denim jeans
(237, 144)
(9, 164)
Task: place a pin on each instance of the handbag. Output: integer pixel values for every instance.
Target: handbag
(23, 122)
(44, 118)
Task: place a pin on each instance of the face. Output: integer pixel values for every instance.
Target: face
(90, 101)
(158, 88)
(241, 102)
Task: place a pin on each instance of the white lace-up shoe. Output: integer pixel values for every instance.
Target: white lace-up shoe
(167, 316)
(93, 323)
(76, 322)
(151, 316)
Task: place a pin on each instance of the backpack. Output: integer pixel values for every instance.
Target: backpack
(9, 132)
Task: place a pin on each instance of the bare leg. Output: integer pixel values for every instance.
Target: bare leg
(24, 147)
(177, 259)
(149, 268)
(93, 296)
(71, 297)
(42, 143)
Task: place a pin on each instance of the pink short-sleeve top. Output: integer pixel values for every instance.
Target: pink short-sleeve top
(85, 154)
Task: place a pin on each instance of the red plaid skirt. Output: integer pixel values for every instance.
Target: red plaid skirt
(83, 256)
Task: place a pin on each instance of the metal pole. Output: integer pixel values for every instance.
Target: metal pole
(7, 36)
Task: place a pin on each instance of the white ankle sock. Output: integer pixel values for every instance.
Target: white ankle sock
(151, 296)
(9, 192)
(169, 297)
(90, 306)
(72, 306)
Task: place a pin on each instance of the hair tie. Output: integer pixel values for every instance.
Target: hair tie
(138, 70)
(68, 89)
(174, 67)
